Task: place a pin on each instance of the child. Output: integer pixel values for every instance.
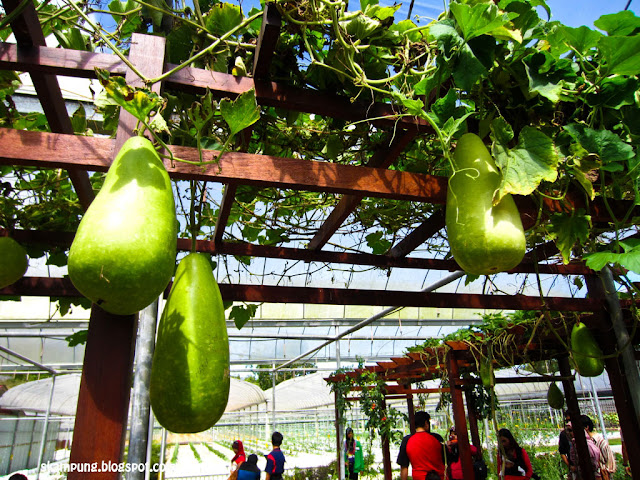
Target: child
(275, 460)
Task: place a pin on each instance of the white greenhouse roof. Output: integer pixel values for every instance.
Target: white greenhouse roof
(34, 396)
(299, 393)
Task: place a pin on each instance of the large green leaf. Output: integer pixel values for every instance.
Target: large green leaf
(621, 23)
(362, 26)
(533, 160)
(222, 18)
(566, 230)
(615, 92)
(612, 151)
(629, 259)
(621, 55)
(242, 112)
(479, 19)
(581, 39)
(378, 243)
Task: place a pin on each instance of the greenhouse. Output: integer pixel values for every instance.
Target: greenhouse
(230, 227)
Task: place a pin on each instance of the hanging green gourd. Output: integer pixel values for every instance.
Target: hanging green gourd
(484, 238)
(586, 353)
(123, 255)
(189, 385)
(13, 261)
(486, 370)
(555, 398)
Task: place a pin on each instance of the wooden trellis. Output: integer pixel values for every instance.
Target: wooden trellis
(104, 397)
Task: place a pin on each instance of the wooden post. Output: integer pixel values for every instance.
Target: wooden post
(411, 413)
(340, 458)
(386, 452)
(459, 417)
(584, 461)
(611, 334)
(473, 421)
(103, 400)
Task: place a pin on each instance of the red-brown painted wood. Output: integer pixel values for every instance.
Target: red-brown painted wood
(197, 81)
(267, 40)
(459, 418)
(302, 254)
(49, 150)
(147, 54)
(28, 32)
(103, 401)
(584, 461)
(225, 209)
(383, 158)
(417, 237)
(36, 286)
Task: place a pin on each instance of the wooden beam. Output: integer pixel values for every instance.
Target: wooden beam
(45, 286)
(51, 150)
(428, 229)
(383, 158)
(147, 55)
(267, 40)
(459, 418)
(228, 198)
(48, 150)
(28, 33)
(302, 254)
(195, 80)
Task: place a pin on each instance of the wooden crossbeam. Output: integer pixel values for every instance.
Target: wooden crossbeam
(195, 80)
(48, 150)
(428, 229)
(383, 158)
(41, 286)
(28, 33)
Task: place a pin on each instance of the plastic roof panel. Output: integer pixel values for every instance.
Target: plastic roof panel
(34, 396)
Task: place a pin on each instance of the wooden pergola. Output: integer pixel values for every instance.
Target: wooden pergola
(455, 358)
(105, 388)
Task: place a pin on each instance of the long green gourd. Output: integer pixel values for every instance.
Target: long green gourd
(484, 238)
(190, 373)
(587, 355)
(123, 254)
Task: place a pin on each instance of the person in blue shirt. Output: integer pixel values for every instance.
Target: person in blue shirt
(249, 470)
(275, 460)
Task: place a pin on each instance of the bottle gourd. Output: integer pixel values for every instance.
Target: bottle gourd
(189, 385)
(13, 261)
(484, 238)
(123, 254)
(587, 355)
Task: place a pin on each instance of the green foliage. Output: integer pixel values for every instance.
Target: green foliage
(195, 452)
(382, 419)
(264, 378)
(216, 452)
(558, 105)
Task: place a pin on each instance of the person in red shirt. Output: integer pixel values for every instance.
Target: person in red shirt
(513, 460)
(422, 450)
(239, 457)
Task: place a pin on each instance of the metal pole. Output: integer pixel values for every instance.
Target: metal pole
(273, 398)
(147, 470)
(594, 393)
(444, 281)
(46, 426)
(163, 452)
(342, 469)
(627, 353)
(141, 408)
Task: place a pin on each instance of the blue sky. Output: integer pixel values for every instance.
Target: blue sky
(573, 13)
(584, 12)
